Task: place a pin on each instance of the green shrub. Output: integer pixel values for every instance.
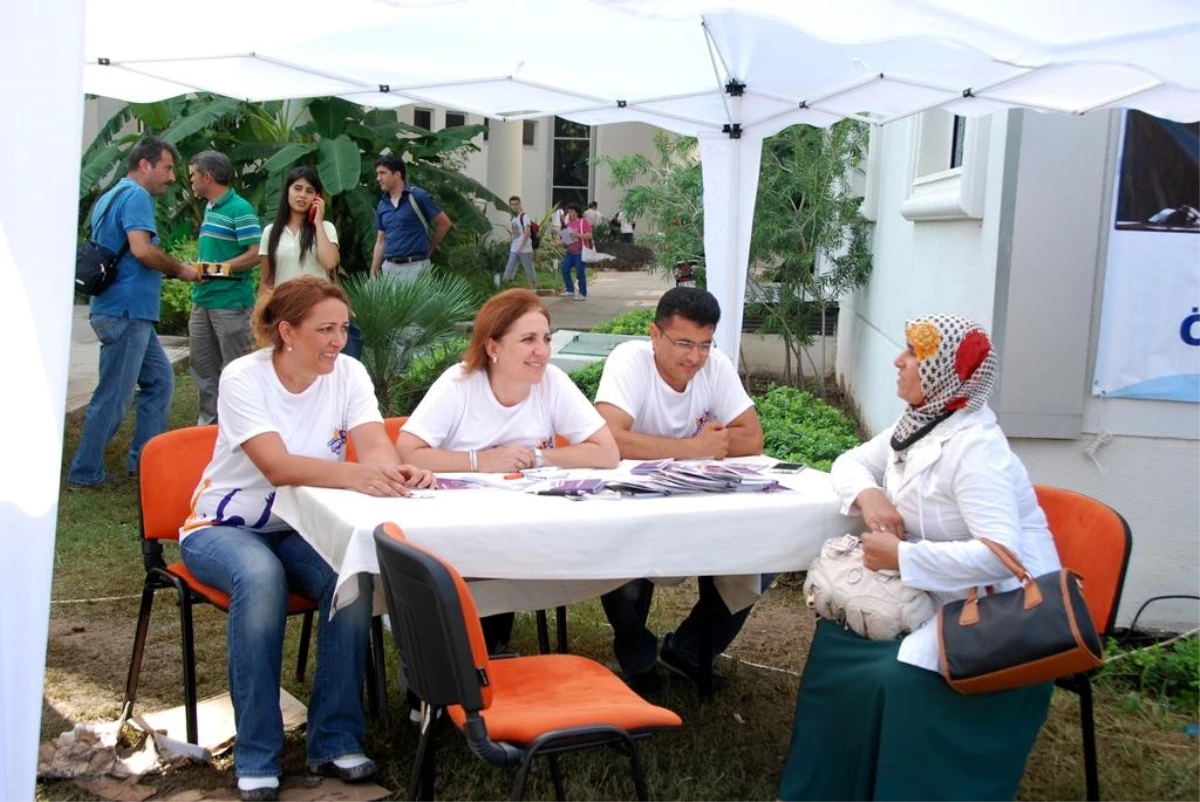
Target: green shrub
(175, 308)
(800, 428)
(1169, 674)
(635, 321)
(422, 372)
(587, 379)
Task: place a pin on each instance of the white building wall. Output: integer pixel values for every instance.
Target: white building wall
(920, 266)
(1031, 270)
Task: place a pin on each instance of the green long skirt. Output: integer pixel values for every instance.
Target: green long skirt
(870, 727)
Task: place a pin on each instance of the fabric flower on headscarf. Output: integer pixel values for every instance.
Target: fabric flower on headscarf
(924, 339)
(957, 370)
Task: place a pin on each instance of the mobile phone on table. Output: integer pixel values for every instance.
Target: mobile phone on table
(787, 467)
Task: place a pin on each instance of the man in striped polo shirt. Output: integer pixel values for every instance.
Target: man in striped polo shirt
(219, 328)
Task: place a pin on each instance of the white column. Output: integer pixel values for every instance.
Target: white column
(730, 168)
(504, 168)
(40, 152)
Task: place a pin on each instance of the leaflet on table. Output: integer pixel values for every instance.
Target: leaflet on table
(721, 468)
(568, 487)
(679, 478)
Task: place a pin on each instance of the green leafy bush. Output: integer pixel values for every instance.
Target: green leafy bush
(798, 427)
(175, 308)
(422, 372)
(587, 379)
(1168, 673)
(635, 321)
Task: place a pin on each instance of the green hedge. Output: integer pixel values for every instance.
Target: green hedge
(636, 321)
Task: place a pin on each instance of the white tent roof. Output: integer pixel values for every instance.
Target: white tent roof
(665, 63)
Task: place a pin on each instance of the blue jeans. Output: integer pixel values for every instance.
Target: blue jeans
(576, 260)
(257, 569)
(636, 647)
(130, 357)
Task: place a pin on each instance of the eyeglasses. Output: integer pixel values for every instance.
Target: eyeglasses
(686, 345)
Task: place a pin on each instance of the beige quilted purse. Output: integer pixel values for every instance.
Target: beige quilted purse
(874, 604)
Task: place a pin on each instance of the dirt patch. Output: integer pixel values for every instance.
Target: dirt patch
(628, 255)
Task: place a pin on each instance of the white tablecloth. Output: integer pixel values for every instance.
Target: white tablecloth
(565, 550)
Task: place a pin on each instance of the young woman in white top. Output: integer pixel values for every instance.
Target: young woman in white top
(301, 242)
(499, 411)
(286, 412)
(875, 719)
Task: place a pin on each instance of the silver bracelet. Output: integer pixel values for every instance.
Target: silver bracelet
(474, 458)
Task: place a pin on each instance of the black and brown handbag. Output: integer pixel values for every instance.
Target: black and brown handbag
(1036, 633)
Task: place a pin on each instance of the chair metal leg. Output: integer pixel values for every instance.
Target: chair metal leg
(377, 645)
(305, 640)
(424, 772)
(1088, 725)
(560, 619)
(518, 789)
(189, 664)
(543, 633)
(707, 603)
(560, 790)
(139, 649)
(639, 779)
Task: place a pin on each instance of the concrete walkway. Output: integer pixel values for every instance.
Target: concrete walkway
(610, 294)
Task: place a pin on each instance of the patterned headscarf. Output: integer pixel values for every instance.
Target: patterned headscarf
(957, 366)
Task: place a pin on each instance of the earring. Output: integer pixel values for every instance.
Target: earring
(493, 360)
(289, 348)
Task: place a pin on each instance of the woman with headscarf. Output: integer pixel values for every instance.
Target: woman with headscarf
(875, 719)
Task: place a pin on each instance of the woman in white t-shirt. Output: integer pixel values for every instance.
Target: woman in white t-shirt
(500, 409)
(285, 413)
(301, 242)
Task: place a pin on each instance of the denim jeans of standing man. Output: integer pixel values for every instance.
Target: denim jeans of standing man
(131, 357)
(636, 647)
(257, 569)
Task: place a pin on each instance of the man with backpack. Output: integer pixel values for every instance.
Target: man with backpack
(124, 315)
(409, 224)
(523, 243)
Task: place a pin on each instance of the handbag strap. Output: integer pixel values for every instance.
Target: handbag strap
(1033, 594)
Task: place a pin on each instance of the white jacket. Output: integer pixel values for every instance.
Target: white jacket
(959, 482)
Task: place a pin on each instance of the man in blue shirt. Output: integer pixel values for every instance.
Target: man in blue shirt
(123, 316)
(409, 224)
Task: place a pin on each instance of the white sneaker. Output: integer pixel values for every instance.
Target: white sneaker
(579, 297)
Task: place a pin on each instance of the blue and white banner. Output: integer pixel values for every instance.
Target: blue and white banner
(1150, 321)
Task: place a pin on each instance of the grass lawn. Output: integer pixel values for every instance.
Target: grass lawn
(729, 748)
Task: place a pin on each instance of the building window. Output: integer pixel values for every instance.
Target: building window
(949, 168)
(529, 133)
(455, 119)
(569, 176)
(423, 118)
(958, 137)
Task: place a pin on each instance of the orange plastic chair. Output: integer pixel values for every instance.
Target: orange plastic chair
(1093, 540)
(169, 469)
(391, 425)
(510, 710)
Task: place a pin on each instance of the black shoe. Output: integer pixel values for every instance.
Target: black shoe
(354, 774)
(645, 683)
(668, 659)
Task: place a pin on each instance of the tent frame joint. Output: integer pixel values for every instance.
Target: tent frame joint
(733, 129)
(735, 88)
(104, 62)
(621, 104)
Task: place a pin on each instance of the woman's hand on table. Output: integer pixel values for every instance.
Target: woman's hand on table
(879, 513)
(388, 479)
(506, 459)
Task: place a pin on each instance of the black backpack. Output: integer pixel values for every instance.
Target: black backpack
(96, 264)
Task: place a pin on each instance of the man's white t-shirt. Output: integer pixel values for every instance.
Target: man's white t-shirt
(287, 262)
(518, 224)
(631, 382)
(252, 401)
(594, 217)
(461, 413)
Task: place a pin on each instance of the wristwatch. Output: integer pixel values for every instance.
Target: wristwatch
(539, 459)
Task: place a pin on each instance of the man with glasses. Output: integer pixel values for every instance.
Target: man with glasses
(675, 396)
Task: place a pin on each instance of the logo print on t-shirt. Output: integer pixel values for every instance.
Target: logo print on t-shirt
(547, 443)
(337, 443)
(702, 421)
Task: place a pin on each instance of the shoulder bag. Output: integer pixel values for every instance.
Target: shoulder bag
(96, 264)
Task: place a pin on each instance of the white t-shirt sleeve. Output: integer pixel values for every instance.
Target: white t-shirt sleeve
(266, 238)
(240, 403)
(361, 404)
(330, 231)
(729, 398)
(622, 384)
(572, 415)
(435, 416)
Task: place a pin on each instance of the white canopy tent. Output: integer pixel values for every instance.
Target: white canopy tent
(731, 77)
